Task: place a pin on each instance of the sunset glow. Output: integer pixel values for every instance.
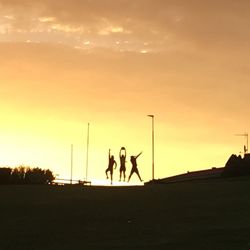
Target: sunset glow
(110, 63)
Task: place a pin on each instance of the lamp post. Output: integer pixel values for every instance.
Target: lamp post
(153, 148)
(87, 156)
(71, 165)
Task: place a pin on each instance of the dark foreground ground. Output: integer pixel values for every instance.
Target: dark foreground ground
(197, 215)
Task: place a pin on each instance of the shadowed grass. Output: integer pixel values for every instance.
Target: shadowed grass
(212, 214)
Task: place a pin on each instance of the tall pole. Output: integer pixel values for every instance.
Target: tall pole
(87, 156)
(153, 148)
(71, 169)
(247, 141)
(245, 146)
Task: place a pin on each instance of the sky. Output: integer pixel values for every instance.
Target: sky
(111, 63)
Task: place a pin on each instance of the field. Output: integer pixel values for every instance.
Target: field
(211, 214)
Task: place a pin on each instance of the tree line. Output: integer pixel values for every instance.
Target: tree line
(25, 175)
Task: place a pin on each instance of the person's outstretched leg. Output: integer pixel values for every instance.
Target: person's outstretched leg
(130, 176)
(139, 175)
(107, 173)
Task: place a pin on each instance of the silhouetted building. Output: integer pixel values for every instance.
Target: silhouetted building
(237, 166)
(191, 176)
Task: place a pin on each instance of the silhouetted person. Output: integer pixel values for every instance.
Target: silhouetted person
(134, 167)
(112, 162)
(122, 163)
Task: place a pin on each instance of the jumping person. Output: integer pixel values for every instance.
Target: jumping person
(134, 167)
(122, 163)
(112, 163)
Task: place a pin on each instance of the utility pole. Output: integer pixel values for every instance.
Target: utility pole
(71, 169)
(87, 156)
(153, 148)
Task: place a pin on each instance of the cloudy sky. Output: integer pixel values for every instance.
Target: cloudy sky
(113, 62)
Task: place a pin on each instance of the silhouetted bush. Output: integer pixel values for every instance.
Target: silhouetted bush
(25, 175)
(18, 175)
(38, 176)
(49, 176)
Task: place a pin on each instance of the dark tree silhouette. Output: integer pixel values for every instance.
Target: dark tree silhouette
(25, 175)
(18, 175)
(38, 176)
(49, 176)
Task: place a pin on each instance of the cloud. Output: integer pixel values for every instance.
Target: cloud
(46, 19)
(188, 48)
(166, 23)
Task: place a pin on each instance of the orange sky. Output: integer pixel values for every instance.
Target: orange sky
(113, 62)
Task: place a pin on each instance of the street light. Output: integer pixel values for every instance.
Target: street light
(71, 165)
(153, 149)
(87, 157)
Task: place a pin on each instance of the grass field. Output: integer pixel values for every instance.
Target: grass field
(211, 214)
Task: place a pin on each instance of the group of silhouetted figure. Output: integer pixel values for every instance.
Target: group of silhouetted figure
(113, 164)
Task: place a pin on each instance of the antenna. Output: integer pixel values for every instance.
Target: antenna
(245, 146)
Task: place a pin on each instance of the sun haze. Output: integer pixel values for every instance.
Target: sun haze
(110, 63)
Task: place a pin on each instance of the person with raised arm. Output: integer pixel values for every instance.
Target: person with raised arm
(110, 168)
(122, 156)
(134, 167)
